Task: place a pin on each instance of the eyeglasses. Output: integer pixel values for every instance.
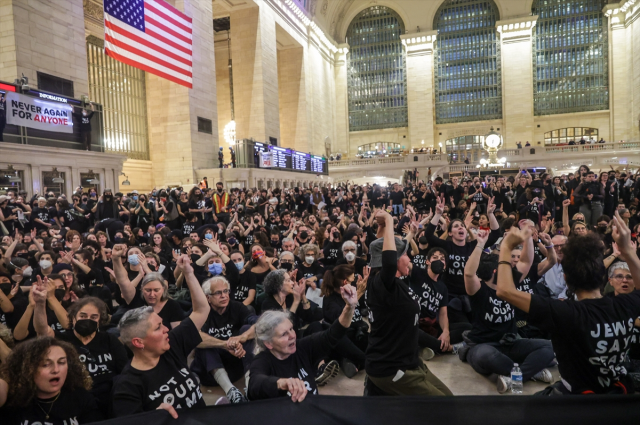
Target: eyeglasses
(349, 250)
(66, 275)
(219, 293)
(286, 261)
(623, 276)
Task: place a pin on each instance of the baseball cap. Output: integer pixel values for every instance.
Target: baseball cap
(375, 249)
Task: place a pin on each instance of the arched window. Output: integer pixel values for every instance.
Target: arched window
(467, 62)
(460, 148)
(571, 57)
(564, 136)
(377, 74)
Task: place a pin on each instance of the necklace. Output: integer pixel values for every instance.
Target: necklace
(50, 407)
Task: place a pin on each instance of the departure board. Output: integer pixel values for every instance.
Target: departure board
(280, 157)
(288, 159)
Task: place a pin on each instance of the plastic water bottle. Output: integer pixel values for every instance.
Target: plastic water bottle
(516, 380)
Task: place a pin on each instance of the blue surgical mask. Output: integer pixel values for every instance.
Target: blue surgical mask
(215, 269)
(135, 198)
(240, 265)
(208, 236)
(133, 259)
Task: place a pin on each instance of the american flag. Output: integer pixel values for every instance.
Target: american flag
(150, 35)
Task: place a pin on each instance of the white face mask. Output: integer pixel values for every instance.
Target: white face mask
(220, 231)
(27, 272)
(350, 256)
(309, 260)
(45, 264)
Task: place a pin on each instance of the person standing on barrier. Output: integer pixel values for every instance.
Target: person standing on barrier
(591, 333)
(591, 193)
(392, 361)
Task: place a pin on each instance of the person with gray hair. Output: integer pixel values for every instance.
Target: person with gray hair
(283, 365)
(225, 353)
(620, 280)
(349, 257)
(153, 291)
(158, 375)
(287, 260)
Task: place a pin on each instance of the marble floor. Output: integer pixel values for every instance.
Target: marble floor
(458, 376)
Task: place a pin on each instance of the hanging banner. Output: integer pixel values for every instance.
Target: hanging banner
(265, 160)
(33, 112)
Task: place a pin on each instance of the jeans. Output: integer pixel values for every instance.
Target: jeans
(591, 213)
(398, 209)
(532, 355)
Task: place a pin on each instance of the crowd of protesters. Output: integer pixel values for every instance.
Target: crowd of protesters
(113, 304)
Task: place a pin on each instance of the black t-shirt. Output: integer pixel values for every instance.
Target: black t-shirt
(492, 317)
(84, 121)
(393, 315)
(591, 338)
(71, 220)
(45, 214)
(188, 227)
(314, 270)
(266, 369)
(359, 265)
(246, 282)
(171, 312)
(528, 285)
(224, 326)
(396, 197)
(332, 307)
(420, 259)
(170, 381)
(332, 253)
(433, 295)
(72, 407)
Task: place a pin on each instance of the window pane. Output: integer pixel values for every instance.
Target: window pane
(376, 71)
(467, 62)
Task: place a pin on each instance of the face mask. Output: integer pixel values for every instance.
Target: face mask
(133, 260)
(27, 272)
(5, 287)
(240, 265)
(304, 235)
(309, 259)
(286, 266)
(220, 231)
(350, 256)
(85, 327)
(274, 243)
(107, 198)
(135, 198)
(208, 236)
(232, 241)
(195, 257)
(24, 255)
(423, 240)
(45, 264)
(215, 269)
(336, 235)
(59, 293)
(437, 267)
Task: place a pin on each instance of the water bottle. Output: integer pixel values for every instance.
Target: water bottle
(516, 380)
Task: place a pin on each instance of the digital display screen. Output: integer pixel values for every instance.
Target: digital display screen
(288, 159)
(300, 161)
(280, 157)
(318, 164)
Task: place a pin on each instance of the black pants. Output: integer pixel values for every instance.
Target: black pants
(353, 349)
(85, 136)
(2, 124)
(426, 340)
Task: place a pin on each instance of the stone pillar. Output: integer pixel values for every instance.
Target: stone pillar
(420, 93)
(517, 77)
(45, 36)
(341, 144)
(620, 68)
(176, 146)
(255, 73)
(292, 97)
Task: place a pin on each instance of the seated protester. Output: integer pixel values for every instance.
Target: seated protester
(46, 261)
(245, 290)
(392, 362)
(159, 363)
(225, 353)
(260, 265)
(331, 250)
(161, 248)
(190, 223)
(69, 289)
(459, 251)
(494, 345)
(57, 317)
(6, 345)
(281, 358)
(428, 285)
(349, 250)
(216, 261)
(47, 384)
(153, 291)
(102, 354)
(310, 269)
(531, 202)
(590, 355)
(419, 252)
(287, 261)
(82, 261)
(554, 278)
(352, 347)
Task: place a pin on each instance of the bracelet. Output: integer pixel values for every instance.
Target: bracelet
(550, 246)
(504, 262)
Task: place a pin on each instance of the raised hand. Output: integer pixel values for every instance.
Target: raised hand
(566, 203)
(118, 250)
(515, 237)
(622, 236)
(491, 207)
(349, 295)
(440, 205)
(482, 237)
(183, 263)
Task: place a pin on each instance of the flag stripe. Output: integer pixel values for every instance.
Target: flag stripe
(181, 68)
(170, 10)
(161, 26)
(143, 44)
(150, 7)
(158, 33)
(151, 70)
(149, 36)
(147, 63)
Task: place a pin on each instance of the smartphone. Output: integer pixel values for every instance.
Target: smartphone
(524, 171)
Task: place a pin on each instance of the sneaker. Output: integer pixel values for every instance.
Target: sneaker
(543, 376)
(222, 400)
(427, 354)
(326, 372)
(457, 347)
(350, 370)
(235, 396)
(503, 384)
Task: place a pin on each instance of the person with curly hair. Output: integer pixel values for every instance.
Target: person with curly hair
(43, 381)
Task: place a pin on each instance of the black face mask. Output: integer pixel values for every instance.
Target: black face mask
(286, 266)
(195, 257)
(274, 243)
(423, 240)
(336, 235)
(5, 287)
(304, 235)
(85, 327)
(60, 294)
(437, 266)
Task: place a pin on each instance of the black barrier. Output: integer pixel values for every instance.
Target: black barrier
(485, 410)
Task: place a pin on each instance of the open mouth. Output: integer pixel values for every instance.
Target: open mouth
(625, 287)
(54, 381)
